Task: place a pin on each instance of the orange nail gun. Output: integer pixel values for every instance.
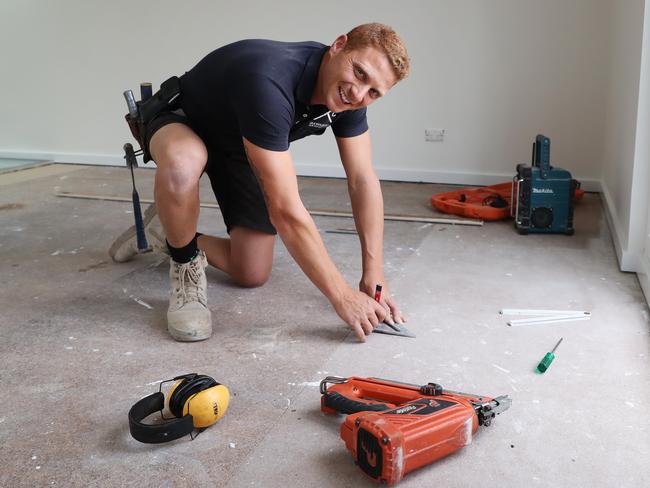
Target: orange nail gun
(394, 427)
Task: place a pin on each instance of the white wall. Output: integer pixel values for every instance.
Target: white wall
(492, 73)
(625, 174)
(640, 202)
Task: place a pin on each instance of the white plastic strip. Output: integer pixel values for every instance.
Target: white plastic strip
(523, 311)
(548, 320)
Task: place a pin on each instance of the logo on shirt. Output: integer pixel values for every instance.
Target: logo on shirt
(323, 121)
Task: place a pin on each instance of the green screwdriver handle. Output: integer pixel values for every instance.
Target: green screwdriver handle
(545, 363)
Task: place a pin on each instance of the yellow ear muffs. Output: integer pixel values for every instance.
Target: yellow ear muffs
(207, 406)
(197, 401)
(200, 396)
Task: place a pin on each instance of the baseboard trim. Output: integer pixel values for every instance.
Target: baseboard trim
(627, 261)
(428, 176)
(65, 158)
(327, 171)
(644, 277)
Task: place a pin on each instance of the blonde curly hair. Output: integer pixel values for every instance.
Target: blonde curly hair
(382, 37)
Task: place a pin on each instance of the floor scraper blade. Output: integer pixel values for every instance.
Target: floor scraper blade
(397, 329)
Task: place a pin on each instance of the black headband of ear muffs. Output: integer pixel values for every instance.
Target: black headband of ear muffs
(173, 429)
(155, 434)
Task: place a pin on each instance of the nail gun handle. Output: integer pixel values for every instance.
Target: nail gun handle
(342, 404)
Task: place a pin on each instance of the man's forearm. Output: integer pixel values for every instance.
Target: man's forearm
(368, 210)
(302, 240)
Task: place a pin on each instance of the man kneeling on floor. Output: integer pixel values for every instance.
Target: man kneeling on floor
(238, 110)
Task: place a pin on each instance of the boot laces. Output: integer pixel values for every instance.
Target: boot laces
(189, 279)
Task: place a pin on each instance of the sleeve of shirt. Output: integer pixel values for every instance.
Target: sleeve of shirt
(350, 123)
(264, 112)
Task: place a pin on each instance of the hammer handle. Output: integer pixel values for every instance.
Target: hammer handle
(130, 102)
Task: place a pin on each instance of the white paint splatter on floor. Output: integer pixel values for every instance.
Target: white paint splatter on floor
(305, 383)
(500, 368)
(141, 302)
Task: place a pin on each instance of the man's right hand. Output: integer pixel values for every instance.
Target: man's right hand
(276, 175)
(359, 311)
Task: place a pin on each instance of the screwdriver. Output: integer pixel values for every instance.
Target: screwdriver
(545, 363)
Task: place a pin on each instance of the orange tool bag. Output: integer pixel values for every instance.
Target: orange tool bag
(485, 203)
(393, 428)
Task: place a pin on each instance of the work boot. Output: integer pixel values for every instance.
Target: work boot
(188, 316)
(125, 246)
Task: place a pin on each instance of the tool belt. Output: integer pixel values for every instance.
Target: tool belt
(149, 109)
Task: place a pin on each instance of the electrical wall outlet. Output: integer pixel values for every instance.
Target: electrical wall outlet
(434, 135)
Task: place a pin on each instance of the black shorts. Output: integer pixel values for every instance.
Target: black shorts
(234, 184)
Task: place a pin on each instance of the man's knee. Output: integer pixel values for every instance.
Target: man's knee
(251, 277)
(180, 157)
(251, 256)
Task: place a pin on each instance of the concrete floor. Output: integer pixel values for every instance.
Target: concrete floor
(78, 346)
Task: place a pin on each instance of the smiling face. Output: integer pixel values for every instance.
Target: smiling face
(349, 80)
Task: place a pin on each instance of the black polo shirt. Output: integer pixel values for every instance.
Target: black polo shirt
(260, 90)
